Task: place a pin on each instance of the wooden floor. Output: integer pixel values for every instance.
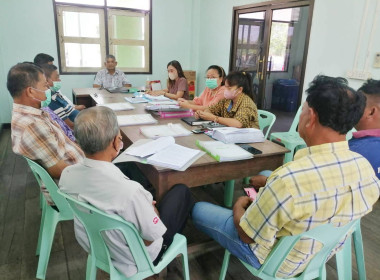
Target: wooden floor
(20, 219)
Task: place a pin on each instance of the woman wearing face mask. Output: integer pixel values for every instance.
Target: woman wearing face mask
(177, 83)
(213, 93)
(238, 108)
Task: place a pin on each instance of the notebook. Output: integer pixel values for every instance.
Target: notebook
(223, 152)
(194, 121)
(125, 120)
(121, 106)
(238, 135)
(161, 152)
(170, 129)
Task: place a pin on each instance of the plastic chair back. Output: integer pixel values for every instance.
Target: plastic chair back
(44, 179)
(266, 120)
(96, 221)
(327, 234)
(293, 127)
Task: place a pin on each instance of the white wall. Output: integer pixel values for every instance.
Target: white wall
(196, 32)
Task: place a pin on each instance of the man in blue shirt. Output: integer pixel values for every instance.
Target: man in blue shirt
(366, 141)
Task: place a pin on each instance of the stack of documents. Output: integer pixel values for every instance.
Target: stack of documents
(238, 135)
(156, 98)
(162, 152)
(224, 152)
(125, 120)
(135, 99)
(121, 106)
(170, 129)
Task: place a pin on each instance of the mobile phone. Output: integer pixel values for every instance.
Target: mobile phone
(198, 131)
(251, 192)
(250, 149)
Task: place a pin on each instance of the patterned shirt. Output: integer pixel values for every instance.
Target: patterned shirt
(106, 80)
(37, 137)
(324, 184)
(61, 107)
(65, 128)
(244, 110)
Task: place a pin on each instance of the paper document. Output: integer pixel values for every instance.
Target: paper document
(135, 100)
(125, 120)
(121, 106)
(170, 129)
(238, 135)
(161, 152)
(153, 97)
(224, 152)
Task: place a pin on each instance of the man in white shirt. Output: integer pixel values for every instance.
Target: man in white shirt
(110, 77)
(100, 183)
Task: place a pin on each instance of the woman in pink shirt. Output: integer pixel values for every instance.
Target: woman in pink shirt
(213, 92)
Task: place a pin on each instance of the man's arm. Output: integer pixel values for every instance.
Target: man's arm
(239, 209)
(56, 170)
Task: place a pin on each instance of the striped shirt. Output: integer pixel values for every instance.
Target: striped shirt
(244, 110)
(61, 107)
(324, 184)
(105, 79)
(37, 137)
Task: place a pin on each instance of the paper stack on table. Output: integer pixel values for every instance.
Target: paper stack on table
(170, 129)
(125, 120)
(224, 152)
(121, 106)
(238, 135)
(161, 152)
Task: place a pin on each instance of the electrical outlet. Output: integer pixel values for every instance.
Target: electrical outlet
(359, 74)
(376, 63)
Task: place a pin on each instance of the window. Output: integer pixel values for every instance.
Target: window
(281, 37)
(90, 29)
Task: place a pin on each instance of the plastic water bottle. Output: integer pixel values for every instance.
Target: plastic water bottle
(147, 84)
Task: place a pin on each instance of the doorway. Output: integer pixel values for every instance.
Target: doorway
(270, 41)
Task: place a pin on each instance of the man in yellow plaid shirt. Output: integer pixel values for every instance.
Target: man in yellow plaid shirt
(326, 183)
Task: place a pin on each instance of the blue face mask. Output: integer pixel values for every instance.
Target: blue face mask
(212, 83)
(56, 86)
(46, 102)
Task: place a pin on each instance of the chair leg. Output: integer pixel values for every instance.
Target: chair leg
(226, 260)
(343, 261)
(90, 269)
(49, 226)
(44, 209)
(359, 252)
(246, 180)
(229, 187)
(185, 266)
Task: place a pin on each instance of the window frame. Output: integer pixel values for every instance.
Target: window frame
(106, 48)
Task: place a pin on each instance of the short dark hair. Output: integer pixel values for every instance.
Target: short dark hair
(110, 56)
(178, 67)
(21, 76)
(241, 79)
(48, 69)
(371, 87)
(220, 70)
(338, 106)
(43, 58)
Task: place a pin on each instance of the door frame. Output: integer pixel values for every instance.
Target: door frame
(269, 6)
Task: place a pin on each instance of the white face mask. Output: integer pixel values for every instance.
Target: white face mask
(229, 94)
(173, 76)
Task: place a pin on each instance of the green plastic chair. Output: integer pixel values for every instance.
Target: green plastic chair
(329, 236)
(291, 139)
(349, 134)
(96, 221)
(266, 120)
(50, 216)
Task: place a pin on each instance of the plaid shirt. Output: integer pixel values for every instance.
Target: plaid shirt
(37, 137)
(105, 79)
(324, 184)
(244, 110)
